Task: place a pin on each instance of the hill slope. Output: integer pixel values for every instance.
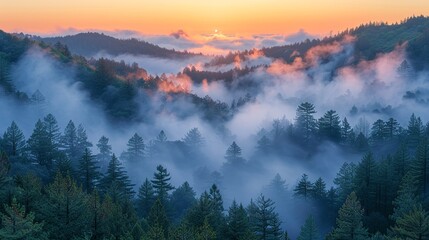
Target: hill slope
(91, 43)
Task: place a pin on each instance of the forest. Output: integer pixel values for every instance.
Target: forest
(54, 187)
(322, 139)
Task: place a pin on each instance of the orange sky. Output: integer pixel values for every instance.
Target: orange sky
(242, 17)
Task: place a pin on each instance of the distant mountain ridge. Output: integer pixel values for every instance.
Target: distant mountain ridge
(371, 39)
(90, 43)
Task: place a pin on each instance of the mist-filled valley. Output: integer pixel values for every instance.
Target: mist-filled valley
(114, 138)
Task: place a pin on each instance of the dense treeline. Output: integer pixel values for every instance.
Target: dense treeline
(371, 40)
(53, 186)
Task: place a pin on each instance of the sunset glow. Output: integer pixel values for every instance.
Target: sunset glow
(198, 17)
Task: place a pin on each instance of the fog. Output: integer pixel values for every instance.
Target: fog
(376, 88)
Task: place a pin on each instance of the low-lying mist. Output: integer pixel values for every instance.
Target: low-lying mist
(378, 89)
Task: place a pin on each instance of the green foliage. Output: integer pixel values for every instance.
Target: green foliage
(136, 148)
(329, 126)
(17, 224)
(304, 187)
(88, 172)
(413, 225)
(309, 230)
(161, 183)
(116, 182)
(305, 124)
(13, 140)
(146, 198)
(349, 222)
(64, 209)
(264, 220)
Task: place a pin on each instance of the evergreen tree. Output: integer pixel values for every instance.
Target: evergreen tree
(52, 137)
(318, 191)
(116, 182)
(266, 223)
(365, 182)
(413, 225)
(146, 198)
(69, 141)
(88, 171)
(194, 140)
(216, 217)
(136, 148)
(304, 187)
(349, 222)
(161, 137)
(309, 230)
(264, 144)
(13, 140)
(361, 142)
(407, 197)
(18, 224)
(329, 126)
(391, 129)
(38, 144)
(82, 142)
(419, 167)
(65, 209)
(105, 150)
(345, 180)
(29, 188)
(415, 130)
(346, 131)
(200, 212)
(158, 218)
(238, 223)
(205, 232)
(161, 183)
(233, 155)
(305, 123)
(378, 131)
(183, 199)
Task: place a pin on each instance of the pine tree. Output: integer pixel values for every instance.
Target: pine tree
(329, 126)
(29, 187)
(365, 182)
(266, 223)
(65, 209)
(415, 130)
(38, 144)
(88, 171)
(391, 129)
(419, 167)
(158, 217)
(377, 131)
(105, 150)
(161, 137)
(194, 140)
(116, 182)
(346, 131)
(304, 187)
(69, 141)
(13, 140)
(233, 155)
(345, 180)
(200, 211)
(136, 148)
(318, 191)
(413, 225)
(206, 232)
(82, 142)
(349, 222)
(238, 223)
(52, 137)
(161, 183)
(305, 123)
(264, 144)
(407, 197)
(309, 230)
(183, 199)
(18, 224)
(146, 198)
(216, 217)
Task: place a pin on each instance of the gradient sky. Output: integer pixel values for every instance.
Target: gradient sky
(243, 17)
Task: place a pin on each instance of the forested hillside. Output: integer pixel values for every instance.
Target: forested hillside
(324, 139)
